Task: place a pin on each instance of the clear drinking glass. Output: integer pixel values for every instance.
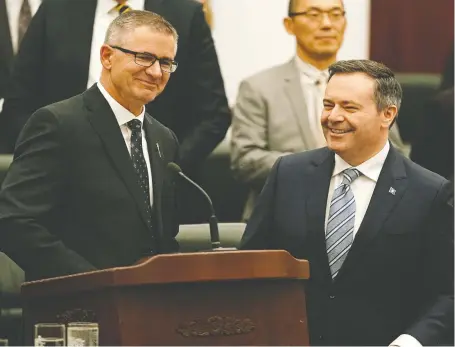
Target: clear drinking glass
(49, 334)
(82, 334)
(3, 342)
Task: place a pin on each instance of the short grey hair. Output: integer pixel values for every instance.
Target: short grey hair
(124, 24)
(388, 90)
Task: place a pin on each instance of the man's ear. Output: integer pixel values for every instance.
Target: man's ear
(106, 53)
(288, 25)
(388, 115)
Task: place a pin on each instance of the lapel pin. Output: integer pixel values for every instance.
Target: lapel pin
(159, 151)
(392, 190)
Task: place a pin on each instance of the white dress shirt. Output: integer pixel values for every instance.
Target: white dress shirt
(313, 82)
(363, 188)
(13, 8)
(104, 15)
(123, 116)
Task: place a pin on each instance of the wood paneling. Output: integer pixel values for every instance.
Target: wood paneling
(412, 35)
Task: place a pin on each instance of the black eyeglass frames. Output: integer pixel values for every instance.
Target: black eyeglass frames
(148, 59)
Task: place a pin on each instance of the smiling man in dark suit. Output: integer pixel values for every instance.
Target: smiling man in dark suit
(59, 59)
(88, 188)
(376, 228)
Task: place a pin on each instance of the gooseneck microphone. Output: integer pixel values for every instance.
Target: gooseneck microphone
(213, 221)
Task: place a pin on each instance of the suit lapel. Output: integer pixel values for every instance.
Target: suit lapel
(157, 168)
(105, 124)
(80, 36)
(6, 46)
(388, 192)
(316, 206)
(293, 90)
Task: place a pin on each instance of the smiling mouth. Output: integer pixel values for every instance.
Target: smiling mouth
(340, 131)
(148, 83)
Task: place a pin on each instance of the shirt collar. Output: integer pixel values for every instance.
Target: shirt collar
(122, 115)
(310, 71)
(370, 168)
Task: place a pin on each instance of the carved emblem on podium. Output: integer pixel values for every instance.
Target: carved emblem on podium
(216, 326)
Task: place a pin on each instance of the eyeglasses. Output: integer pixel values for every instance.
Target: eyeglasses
(314, 15)
(148, 59)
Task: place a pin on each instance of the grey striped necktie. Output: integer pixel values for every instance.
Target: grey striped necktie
(340, 223)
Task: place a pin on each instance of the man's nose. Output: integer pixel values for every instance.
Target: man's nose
(336, 114)
(326, 22)
(154, 69)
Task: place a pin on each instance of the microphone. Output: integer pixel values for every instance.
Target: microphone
(213, 221)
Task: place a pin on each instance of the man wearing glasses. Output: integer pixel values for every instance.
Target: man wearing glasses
(278, 110)
(88, 188)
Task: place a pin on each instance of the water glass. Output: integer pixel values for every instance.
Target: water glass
(82, 334)
(49, 334)
(3, 342)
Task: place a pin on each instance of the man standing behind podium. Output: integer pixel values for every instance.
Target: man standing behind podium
(376, 228)
(88, 188)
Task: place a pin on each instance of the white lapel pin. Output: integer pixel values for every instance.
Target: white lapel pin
(392, 190)
(159, 151)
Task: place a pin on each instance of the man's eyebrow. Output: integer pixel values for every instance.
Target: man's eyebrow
(154, 55)
(350, 102)
(314, 8)
(344, 102)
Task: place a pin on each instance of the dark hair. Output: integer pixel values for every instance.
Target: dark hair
(388, 90)
(121, 26)
(291, 6)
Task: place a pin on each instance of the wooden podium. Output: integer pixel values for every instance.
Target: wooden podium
(208, 298)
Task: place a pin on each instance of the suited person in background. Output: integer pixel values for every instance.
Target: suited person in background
(433, 147)
(15, 16)
(376, 228)
(60, 58)
(88, 187)
(278, 110)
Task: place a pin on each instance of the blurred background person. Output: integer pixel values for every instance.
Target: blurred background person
(15, 16)
(434, 145)
(278, 110)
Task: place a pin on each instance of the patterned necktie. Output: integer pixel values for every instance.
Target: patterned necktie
(25, 16)
(140, 166)
(340, 223)
(122, 7)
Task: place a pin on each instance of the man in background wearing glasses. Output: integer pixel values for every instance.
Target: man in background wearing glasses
(88, 187)
(278, 110)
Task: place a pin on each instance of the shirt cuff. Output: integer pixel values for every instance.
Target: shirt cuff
(406, 340)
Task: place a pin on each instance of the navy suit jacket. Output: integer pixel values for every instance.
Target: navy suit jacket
(398, 275)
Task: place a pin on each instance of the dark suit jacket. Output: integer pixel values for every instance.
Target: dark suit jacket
(53, 65)
(71, 201)
(398, 275)
(6, 50)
